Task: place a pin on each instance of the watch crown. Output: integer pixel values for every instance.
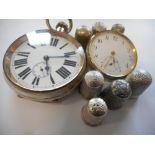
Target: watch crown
(62, 27)
(118, 28)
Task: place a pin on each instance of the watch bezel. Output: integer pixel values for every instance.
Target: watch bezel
(94, 66)
(30, 92)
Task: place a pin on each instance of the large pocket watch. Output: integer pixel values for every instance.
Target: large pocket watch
(45, 65)
(112, 53)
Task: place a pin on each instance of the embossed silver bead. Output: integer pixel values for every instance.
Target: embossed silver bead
(62, 27)
(94, 111)
(116, 94)
(92, 84)
(139, 81)
(118, 28)
(83, 35)
(98, 27)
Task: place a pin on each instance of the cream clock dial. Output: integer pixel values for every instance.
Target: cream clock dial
(112, 53)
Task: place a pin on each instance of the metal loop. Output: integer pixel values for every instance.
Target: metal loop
(70, 26)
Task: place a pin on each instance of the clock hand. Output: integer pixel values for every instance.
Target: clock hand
(59, 56)
(114, 62)
(118, 64)
(46, 58)
(108, 61)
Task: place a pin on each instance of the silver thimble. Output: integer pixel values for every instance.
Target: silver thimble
(83, 35)
(116, 94)
(118, 28)
(94, 111)
(98, 27)
(139, 81)
(92, 84)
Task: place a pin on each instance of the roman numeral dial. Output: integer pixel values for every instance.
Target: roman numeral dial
(47, 63)
(20, 63)
(63, 46)
(23, 54)
(70, 63)
(54, 42)
(36, 81)
(51, 79)
(69, 53)
(63, 72)
(25, 73)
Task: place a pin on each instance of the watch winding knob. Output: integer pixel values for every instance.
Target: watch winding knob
(94, 111)
(139, 81)
(118, 28)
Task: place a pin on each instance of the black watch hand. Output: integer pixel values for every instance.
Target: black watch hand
(65, 56)
(46, 58)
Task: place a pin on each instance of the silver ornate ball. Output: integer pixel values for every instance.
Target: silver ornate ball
(97, 107)
(94, 112)
(121, 89)
(116, 94)
(98, 27)
(92, 84)
(118, 28)
(62, 27)
(139, 81)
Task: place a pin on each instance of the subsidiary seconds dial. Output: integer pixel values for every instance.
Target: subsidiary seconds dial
(112, 53)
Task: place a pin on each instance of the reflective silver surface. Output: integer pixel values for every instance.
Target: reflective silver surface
(116, 94)
(94, 112)
(98, 27)
(18, 116)
(92, 84)
(43, 39)
(139, 81)
(118, 28)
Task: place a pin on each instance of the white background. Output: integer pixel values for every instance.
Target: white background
(19, 116)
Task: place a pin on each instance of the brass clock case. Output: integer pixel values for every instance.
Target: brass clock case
(94, 66)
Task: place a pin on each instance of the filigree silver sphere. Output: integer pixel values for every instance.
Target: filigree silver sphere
(139, 81)
(116, 94)
(92, 84)
(94, 111)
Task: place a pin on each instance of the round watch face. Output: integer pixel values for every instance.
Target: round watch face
(45, 62)
(112, 53)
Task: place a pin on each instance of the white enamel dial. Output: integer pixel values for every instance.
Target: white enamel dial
(112, 53)
(47, 64)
